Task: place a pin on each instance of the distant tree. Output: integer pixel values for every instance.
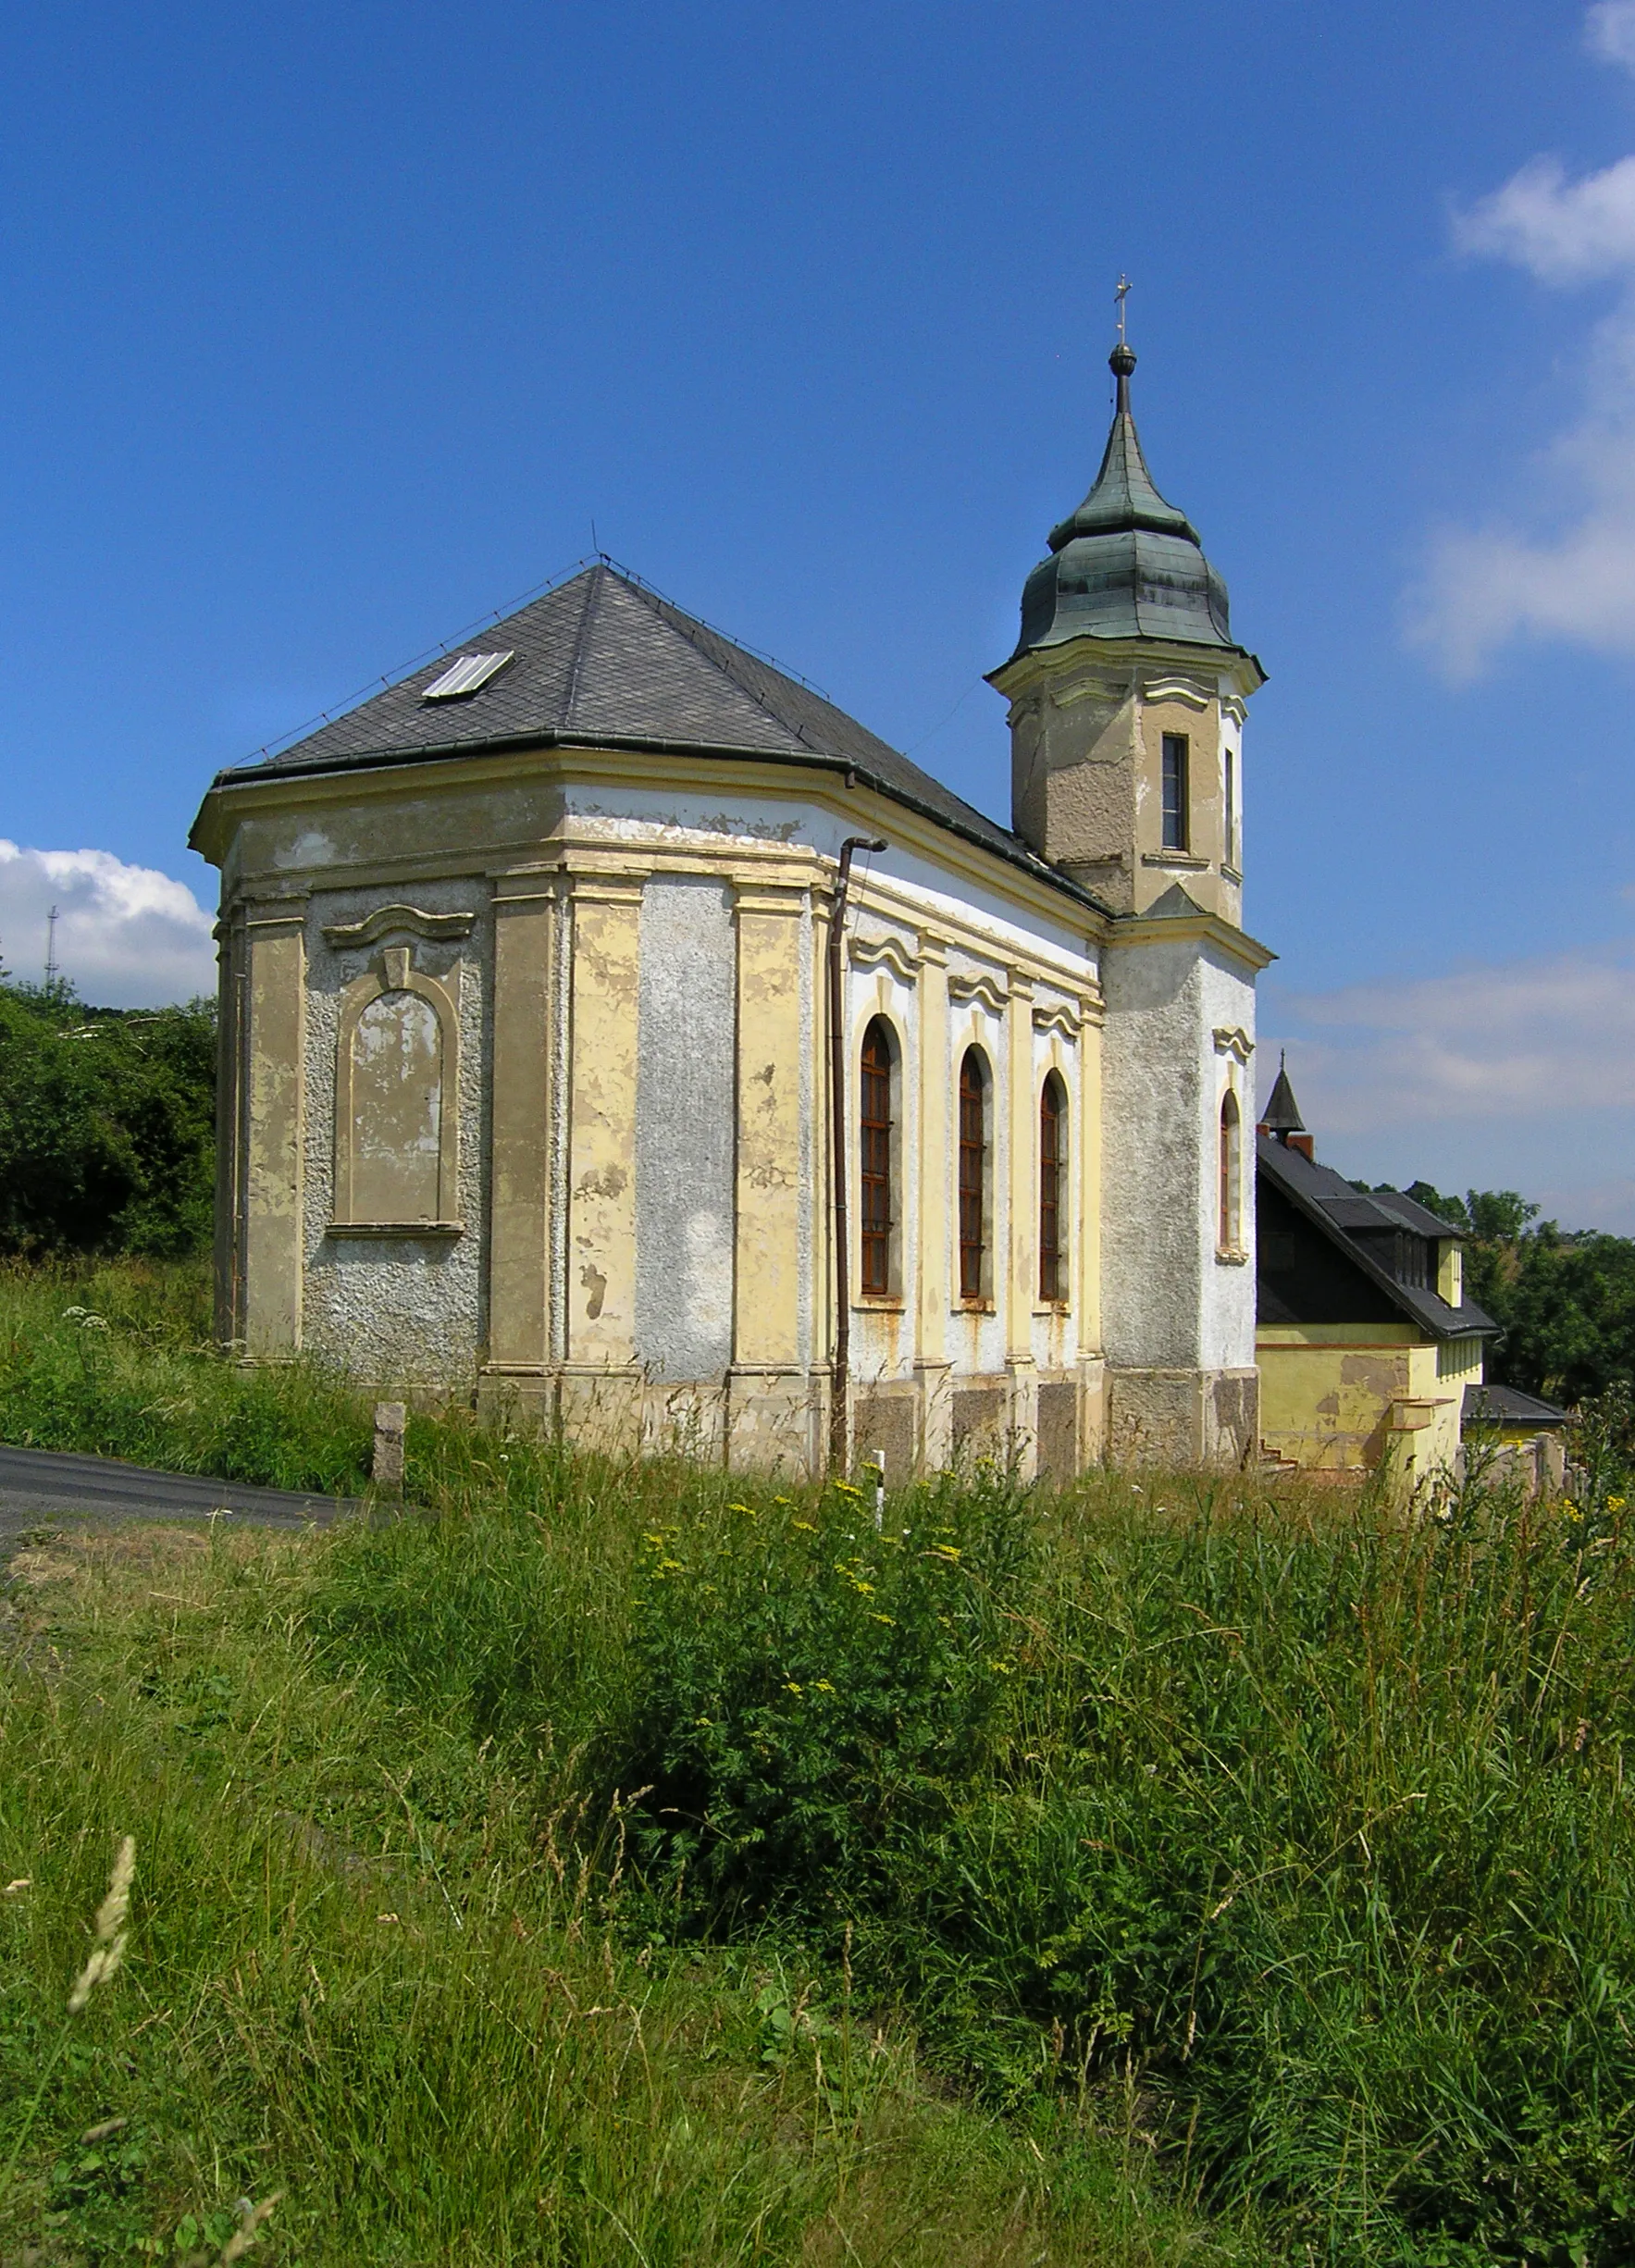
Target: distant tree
(1566, 1300)
(106, 1124)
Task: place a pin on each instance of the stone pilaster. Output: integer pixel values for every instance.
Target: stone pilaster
(274, 1055)
(519, 1227)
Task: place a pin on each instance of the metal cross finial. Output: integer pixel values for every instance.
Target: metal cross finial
(1121, 293)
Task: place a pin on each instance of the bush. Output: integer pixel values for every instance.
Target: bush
(1311, 1824)
(107, 1126)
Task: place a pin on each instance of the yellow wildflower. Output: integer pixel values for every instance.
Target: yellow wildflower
(885, 1618)
(805, 1526)
(790, 1687)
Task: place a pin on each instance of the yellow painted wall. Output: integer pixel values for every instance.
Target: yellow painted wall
(1337, 1399)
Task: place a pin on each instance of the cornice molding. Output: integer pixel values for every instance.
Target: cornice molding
(407, 920)
(1190, 929)
(1231, 1039)
(1057, 1016)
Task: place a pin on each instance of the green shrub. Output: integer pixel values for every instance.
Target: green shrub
(1314, 1824)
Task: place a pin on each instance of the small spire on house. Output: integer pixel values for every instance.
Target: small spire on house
(1282, 1116)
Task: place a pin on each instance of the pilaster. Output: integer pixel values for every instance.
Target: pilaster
(766, 1320)
(519, 1234)
(600, 1289)
(936, 1200)
(274, 1059)
(1021, 1223)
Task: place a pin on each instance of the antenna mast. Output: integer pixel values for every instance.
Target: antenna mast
(50, 968)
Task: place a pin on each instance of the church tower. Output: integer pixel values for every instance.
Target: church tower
(1127, 696)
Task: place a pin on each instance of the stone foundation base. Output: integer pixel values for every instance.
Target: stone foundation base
(1184, 1418)
(1048, 1425)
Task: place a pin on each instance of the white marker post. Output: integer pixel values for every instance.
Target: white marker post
(879, 1489)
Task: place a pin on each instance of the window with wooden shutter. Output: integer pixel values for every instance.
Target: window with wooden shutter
(878, 1211)
(973, 1175)
(1052, 1189)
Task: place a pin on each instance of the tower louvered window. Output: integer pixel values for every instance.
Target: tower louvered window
(1052, 1189)
(973, 1117)
(877, 1209)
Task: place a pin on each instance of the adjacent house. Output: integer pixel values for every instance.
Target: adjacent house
(1367, 1343)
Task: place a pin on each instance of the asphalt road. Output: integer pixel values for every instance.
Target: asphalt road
(39, 1486)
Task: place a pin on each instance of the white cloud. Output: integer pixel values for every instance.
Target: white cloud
(1518, 1075)
(126, 936)
(1609, 32)
(1559, 230)
(1530, 1038)
(1571, 577)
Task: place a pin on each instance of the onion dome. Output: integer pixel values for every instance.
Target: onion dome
(1125, 565)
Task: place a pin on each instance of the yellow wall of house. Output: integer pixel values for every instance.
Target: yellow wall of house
(1338, 1398)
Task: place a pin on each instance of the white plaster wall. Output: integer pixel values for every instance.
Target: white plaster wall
(1154, 1082)
(635, 817)
(1226, 1325)
(397, 1308)
(686, 1128)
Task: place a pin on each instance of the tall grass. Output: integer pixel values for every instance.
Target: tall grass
(1286, 1832)
(368, 1968)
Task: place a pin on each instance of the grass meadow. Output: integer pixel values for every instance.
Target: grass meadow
(637, 1863)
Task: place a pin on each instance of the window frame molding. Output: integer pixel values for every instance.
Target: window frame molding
(981, 1299)
(1059, 1300)
(396, 972)
(892, 1296)
(1230, 1153)
(1183, 742)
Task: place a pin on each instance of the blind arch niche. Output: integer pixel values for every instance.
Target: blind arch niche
(397, 1082)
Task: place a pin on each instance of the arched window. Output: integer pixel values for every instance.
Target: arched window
(877, 1207)
(1052, 1189)
(973, 1174)
(1230, 1175)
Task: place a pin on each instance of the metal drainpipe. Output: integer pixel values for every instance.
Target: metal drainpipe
(840, 1382)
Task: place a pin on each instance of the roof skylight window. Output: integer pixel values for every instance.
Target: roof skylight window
(467, 674)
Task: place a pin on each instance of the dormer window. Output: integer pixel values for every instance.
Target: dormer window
(1177, 817)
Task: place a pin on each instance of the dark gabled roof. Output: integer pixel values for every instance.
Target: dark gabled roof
(1491, 1405)
(1345, 1215)
(602, 661)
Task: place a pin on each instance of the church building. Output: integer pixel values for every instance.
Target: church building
(618, 1035)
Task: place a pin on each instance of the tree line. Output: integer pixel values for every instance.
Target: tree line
(1565, 1297)
(107, 1125)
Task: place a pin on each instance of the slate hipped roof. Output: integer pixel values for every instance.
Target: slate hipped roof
(602, 661)
(1346, 1217)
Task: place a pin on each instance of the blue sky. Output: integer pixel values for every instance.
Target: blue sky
(328, 331)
